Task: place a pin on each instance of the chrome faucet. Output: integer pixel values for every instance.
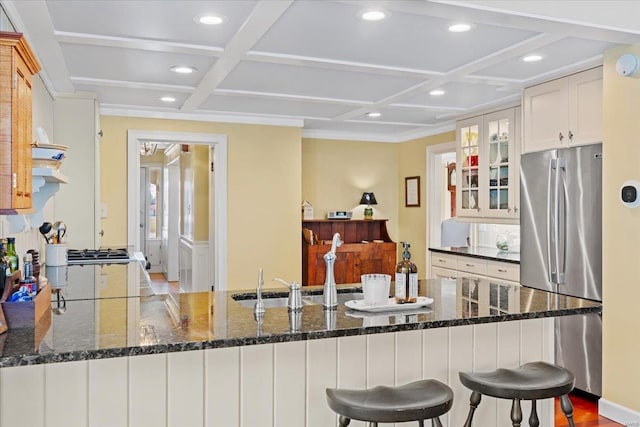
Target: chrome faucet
(294, 303)
(258, 310)
(330, 294)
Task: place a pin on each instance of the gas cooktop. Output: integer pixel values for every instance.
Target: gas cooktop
(97, 256)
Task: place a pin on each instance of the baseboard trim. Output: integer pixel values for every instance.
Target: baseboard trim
(618, 413)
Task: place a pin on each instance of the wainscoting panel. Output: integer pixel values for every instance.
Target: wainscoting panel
(277, 385)
(147, 391)
(66, 394)
(108, 391)
(194, 265)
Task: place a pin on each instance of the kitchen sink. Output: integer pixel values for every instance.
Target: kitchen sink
(279, 299)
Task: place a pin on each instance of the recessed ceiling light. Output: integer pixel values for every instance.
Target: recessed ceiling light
(208, 19)
(437, 92)
(373, 15)
(168, 99)
(459, 27)
(182, 69)
(532, 58)
(374, 115)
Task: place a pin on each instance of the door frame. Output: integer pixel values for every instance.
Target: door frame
(434, 200)
(134, 138)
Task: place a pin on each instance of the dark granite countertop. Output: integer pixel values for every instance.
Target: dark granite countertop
(483, 252)
(115, 326)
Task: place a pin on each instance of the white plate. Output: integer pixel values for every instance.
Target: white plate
(391, 306)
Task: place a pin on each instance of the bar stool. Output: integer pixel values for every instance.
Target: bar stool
(532, 381)
(416, 401)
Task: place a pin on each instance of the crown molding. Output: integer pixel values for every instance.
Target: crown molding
(128, 111)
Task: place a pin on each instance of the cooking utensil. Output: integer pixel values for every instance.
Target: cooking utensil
(44, 229)
(60, 228)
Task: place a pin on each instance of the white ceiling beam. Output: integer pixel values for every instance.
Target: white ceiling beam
(130, 85)
(334, 64)
(136, 43)
(289, 97)
(262, 17)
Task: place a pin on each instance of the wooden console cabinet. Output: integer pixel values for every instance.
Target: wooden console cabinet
(17, 65)
(354, 257)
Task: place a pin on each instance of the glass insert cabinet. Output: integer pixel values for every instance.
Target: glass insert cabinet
(487, 162)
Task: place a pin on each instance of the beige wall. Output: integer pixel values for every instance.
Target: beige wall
(621, 235)
(412, 158)
(264, 169)
(336, 173)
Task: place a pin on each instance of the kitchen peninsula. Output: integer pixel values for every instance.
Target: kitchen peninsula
(116, 357)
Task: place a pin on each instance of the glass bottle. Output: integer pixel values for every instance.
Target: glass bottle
(11, 253)
(28, 278)
(406, 278)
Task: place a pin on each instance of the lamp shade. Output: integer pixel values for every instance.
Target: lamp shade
(368, 199)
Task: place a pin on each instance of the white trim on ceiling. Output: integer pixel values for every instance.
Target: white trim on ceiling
(129, 111)
(375, 137)
(136, 43)
(130, 84)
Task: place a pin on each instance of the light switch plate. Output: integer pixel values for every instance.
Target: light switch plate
(103, 210)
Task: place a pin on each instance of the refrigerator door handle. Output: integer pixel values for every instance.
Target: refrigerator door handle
(562, 220)
(550, 256)
(553, 220)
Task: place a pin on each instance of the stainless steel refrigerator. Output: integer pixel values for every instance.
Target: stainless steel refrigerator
(561, 247)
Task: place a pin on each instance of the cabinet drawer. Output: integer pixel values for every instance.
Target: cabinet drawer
(444, 260)
(503, 270)
(443, 273)
(472, 265)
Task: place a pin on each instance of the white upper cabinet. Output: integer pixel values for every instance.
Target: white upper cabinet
(563, 112)
(487, 162)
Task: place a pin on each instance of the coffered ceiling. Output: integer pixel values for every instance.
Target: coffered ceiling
(313, 63)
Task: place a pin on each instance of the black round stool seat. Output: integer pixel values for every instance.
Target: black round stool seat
(416, 401)
(532, 381)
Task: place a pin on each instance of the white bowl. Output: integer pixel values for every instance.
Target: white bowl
(48, 155)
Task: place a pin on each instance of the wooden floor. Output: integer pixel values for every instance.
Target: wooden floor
(585, 411)
(585, 414)
(160, 285)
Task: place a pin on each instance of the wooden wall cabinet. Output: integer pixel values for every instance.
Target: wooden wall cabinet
(353, 258)
(17, 66)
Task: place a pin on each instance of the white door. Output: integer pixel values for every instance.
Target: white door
(173, 226)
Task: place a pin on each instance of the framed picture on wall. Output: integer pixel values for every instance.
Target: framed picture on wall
(412, 191)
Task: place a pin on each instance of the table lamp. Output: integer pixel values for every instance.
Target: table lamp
(368, 199)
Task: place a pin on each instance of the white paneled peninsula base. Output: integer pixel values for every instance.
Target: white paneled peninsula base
(219, 368)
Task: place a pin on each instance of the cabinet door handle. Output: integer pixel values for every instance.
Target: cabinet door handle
(570, 136)
(501, 270)
(27, 194)
(509, 210)
(442, 260)
(19, 193)
(515, 209)
(560, 136)
(470, 265)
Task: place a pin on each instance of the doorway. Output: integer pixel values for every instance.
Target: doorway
(216, 276)
(439, 200)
